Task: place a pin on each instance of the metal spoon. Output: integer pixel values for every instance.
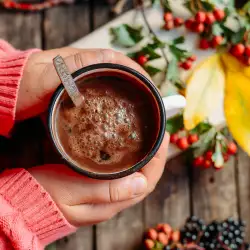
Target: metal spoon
(68, 81)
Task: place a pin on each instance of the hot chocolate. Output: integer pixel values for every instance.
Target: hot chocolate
(113, 129)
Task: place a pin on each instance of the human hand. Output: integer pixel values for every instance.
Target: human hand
(85, 201)
(40, 79)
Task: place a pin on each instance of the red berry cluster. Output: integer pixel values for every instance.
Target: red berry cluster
(171, 21)
(202, 22)
(205, 161)
(241, 52)
(183, 142)
(163, 234)
(187, 64)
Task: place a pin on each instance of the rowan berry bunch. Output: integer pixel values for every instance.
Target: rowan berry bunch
(205, 146)
(196, 234)
(172, 22)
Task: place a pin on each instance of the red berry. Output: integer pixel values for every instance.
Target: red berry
(219, 14)
(178, 21)
(209, 155)
(193, 138)
(186, 65)
(207, 164)
(225, 157)
(168, 17)
(169, 25)
(142, 59)
(198, 27)
(216, 40)
(163, 238)
(198, 161)
(204, 44)
(247, 50)
(238, 50)
(189, 23)
(210, 19)
(182, 143)
(152, 234)
(231, 148)
(174, 138)
(200, 17)
(192, 58)
(176, 236)
(149, 244)
(167, 229)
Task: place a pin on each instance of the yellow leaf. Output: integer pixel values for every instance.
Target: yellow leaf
(237, 101)
(205, 91)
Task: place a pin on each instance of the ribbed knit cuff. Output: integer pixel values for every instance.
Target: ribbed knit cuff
(37, 209)
(11, 69)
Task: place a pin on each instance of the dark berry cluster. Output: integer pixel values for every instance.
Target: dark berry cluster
(171, 21)
(226, 235)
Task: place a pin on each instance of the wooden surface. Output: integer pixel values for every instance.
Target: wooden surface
(181, 192)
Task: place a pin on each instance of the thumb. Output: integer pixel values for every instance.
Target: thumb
(118, 190)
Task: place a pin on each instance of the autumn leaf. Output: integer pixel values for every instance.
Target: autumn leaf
(237, 100)
(205, 91)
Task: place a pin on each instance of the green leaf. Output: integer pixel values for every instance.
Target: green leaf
(157, 43)
(166, 6)
(150, 53)
(217, 30)
(207, 6)
(179, 40)
(152, 70)
(132, 55)
(246, 7)
(201, 128)
(174, 124)
(238, 37)
(204, 143)
(217, 157)
(225, 3)
(173, 71)
(125, 35)
(178, 53)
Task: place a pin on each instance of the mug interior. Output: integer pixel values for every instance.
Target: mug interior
(138, 83)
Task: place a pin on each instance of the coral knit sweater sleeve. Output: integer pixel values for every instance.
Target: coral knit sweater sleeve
(29, 219)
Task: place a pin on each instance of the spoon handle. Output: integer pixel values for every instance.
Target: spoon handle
(68, 81)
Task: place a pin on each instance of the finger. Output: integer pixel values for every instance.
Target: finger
(115, 190)
(88, 214)
(154, 169)
(84, 58)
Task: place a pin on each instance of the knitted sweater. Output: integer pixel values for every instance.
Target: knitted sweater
(29, 219)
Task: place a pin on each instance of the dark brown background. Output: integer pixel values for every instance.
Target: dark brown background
(181, 192)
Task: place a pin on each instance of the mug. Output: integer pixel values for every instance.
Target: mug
(164, 108)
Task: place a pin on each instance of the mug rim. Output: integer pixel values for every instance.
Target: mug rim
(136, 167)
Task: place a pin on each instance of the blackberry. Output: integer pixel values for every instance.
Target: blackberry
(192, 229)
(232, 234)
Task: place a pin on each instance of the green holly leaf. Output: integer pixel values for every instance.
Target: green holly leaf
(217, 157)
(238, 37)
(178, 40)
(125, 35)
(178, 53)
(173, 71)
(204, 143)
(174, 124)
(152, 70)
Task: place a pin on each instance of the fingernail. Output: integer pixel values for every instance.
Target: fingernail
(139, 185)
